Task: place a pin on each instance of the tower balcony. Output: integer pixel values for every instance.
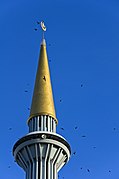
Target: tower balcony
(41, 154)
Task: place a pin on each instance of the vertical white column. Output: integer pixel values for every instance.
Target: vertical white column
(40, 151)
(37, 123)
(41, 123)
(54, 126)
(36, 151)
(48, 123)
(49, 163)
(34, 124)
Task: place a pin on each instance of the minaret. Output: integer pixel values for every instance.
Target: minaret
(42, 152)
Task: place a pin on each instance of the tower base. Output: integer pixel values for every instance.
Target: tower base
(41, 154)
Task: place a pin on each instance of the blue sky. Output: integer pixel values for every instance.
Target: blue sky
(84, 38)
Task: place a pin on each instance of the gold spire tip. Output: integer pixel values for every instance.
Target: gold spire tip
(42, 101)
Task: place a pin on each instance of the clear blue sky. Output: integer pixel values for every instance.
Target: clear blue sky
(84, 38)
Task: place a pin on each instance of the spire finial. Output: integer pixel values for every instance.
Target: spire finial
(43, 27)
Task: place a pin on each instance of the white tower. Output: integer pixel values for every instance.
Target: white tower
(42, 152)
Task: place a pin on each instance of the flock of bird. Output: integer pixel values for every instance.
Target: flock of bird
(61, 128)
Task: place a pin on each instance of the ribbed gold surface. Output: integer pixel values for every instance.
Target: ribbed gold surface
(42, 101)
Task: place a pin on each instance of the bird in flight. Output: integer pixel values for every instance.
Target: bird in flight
(25, 91)
(88, 170)
(62, 128)
(28, 108)
(44, 78)
(74, 153)
(60, 100)
(76, 127)
(81, 85)
(38, 22)
(83, 136)
(35, 29)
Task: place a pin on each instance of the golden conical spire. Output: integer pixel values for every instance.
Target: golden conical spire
(42, 101)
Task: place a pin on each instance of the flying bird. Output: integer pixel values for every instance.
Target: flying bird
(81, 85)
(10, 129)
(76, 127)
(62, 128)
(28, 108)
(74, 153)
(35, 29)
(60, 100)
(26, 91)
(88, 170)
(44, 78)
(83, 136)
(38, 22)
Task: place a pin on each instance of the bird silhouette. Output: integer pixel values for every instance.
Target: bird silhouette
(26, 91)
(62, 128)
(10, 129)
(94, 147)
(109, 171)
(44, 78)
(28, 108)
(81, 85)
(35, 29)
(60, 100)
(83, 136)
(38, 22)
(88, 170)
(74, 153)
(76, 127)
